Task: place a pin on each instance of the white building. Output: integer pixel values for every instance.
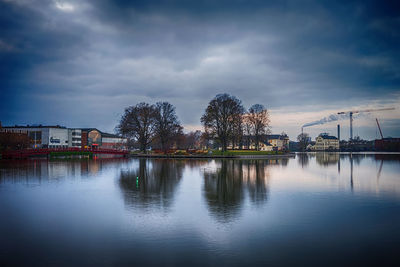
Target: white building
(262, 146)
(45, 136)
(75, 138)
(113, 141)
(272, 142)
(279, 142)
(326, 142)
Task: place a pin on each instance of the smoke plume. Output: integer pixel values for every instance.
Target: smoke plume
(330, 118)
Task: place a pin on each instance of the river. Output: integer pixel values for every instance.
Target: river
(321, 209)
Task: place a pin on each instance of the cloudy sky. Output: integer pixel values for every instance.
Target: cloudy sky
(80, 63)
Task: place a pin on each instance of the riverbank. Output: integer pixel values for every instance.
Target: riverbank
(211, 156)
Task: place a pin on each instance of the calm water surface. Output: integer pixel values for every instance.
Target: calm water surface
(315, 209)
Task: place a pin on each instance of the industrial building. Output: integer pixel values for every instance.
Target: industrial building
(41, 136)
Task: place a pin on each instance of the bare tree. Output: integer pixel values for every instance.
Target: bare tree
(304, 140)
(247, 129)
(258, 117)
(237, 133)
(166, 124)
(193, 140)
(138, 123)
(205, 139)
(220, 117)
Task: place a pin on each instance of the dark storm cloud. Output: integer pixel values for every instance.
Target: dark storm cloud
(82, 62)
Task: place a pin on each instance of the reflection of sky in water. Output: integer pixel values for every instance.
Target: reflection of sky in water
(237, 211)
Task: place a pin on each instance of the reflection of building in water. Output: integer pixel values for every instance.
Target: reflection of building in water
(363, 172)
(226, 187)
(326, 158)
(23, 171)
(37, 171)
(152, 184)
(91, 166)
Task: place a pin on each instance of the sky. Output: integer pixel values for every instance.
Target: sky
(80, 63)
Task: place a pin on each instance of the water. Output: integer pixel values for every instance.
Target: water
(315, 209)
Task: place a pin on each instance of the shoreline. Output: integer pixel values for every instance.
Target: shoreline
(288, 155)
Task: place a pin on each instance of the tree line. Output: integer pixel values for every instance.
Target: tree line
(225, 122)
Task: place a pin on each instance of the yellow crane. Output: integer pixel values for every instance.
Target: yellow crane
(360, 111)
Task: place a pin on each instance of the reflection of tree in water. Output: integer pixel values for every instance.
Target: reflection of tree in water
(223, 191)
(303, 159)
(152, 184)
(357, 158)
(256, 176)
(195, 163)
(226, 187)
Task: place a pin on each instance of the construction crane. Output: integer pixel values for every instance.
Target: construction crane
(379, 127)
(360, 111)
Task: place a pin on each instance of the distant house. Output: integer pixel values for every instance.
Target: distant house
(272, 142)
(279, 142)
(263, 146)
(326, 142)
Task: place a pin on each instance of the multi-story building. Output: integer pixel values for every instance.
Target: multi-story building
(326, 142)
(75, 137)
(61, 137)
(92, 137)
(279, 142)
(13, 139)
(44, 136)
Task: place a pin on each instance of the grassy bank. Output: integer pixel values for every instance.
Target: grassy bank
(211, 153)
(245, 153)
(71, 154)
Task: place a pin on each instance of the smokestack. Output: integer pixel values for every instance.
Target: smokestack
(338, 132)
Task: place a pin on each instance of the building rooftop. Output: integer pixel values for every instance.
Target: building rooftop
(110, 135)
(60, 127)
(267, 144)
(276, 136)
(35, 126)
(103, 134)
(328, 137)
